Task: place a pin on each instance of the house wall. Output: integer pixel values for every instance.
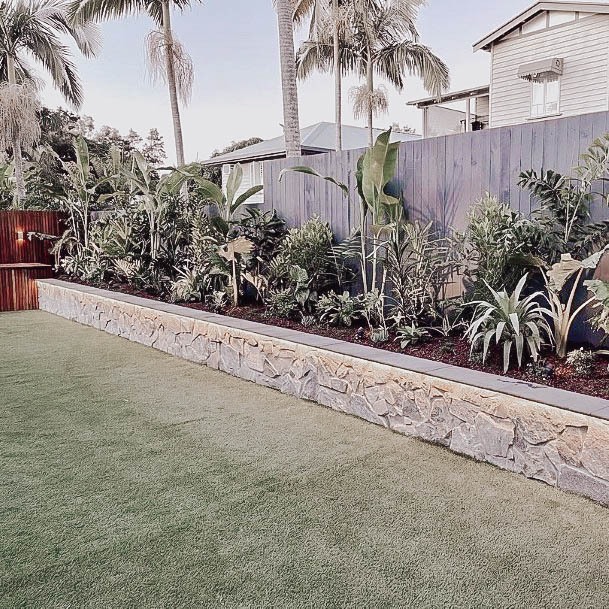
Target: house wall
(583, 44)
(252, 176)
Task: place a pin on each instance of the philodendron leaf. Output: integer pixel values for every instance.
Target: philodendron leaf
(233, 248)
(312, 172)
(562, 271)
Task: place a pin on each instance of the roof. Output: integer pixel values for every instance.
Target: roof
(451, 97)
(317, 138)
(535, 9)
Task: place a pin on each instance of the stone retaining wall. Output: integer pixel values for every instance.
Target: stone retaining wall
(414, 397)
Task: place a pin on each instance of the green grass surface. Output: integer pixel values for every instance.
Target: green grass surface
(133, 479)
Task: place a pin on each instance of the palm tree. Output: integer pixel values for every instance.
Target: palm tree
(383, 41)
(326, 15)
(168, 60)
(36, 29)
(291, 124)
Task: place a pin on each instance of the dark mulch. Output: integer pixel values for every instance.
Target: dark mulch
(551, 370)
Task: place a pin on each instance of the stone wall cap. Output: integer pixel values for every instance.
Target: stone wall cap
(559, 398)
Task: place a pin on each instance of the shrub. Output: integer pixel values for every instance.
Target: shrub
(281, 303)
(411, 335)
(310, 248)
(581, 361)
(493, 247)
(511, 321)
(338, 309)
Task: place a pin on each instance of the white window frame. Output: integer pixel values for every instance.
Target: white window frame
(545, 113)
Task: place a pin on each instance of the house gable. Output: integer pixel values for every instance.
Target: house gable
(541, 16)
(573, 47)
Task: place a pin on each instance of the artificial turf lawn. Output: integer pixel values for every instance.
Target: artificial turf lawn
(133, 479)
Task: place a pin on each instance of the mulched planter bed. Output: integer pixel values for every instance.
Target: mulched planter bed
(452, 350)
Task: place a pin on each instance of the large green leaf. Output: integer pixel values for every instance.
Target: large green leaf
(310, 171)
(233, 184)
(241, 199)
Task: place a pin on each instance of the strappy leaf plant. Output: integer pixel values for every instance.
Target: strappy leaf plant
(515, 322)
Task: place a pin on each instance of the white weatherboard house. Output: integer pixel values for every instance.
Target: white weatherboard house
(551, 60)
(316, 139)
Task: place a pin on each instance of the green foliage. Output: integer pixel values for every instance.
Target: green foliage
(419, 266)
(281, 303)
(338, 309)
(411, 335)
(600, 304)
(510, 320)
(581, 361)
(496, 245)
(309, 248)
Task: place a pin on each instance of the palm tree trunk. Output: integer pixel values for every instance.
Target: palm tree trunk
(338, 80)
(17, 155)
(171, 82)
(370, 86)
(291, 126)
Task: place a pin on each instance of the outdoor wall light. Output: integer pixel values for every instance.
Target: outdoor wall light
(20, 235)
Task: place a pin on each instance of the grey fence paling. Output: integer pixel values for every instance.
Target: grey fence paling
(439, 178)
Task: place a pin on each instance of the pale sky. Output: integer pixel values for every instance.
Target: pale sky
(237, 92)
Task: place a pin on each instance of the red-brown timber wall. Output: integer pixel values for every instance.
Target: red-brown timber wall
(22, 261)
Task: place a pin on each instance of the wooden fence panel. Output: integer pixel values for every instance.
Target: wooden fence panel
(22, 261)
(439, 178)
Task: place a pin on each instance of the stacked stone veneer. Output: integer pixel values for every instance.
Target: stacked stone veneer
(563, 448)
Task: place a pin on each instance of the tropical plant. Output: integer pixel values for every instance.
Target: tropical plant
(495, 247)
(308, 248)
(338, 309)
(36, 29)
(419, 266)
(281, 303)
(191, 284)
(562, 298)
(564, 213)
(168, 60)
(217, 301)
(600, 305)
(379, 210)
(382, 39)
(228, 203)
(510, 320)
(152, 196)
(291, 123)
(581, 361)
(411, 335)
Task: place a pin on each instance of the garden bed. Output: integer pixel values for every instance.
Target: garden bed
(552, 371)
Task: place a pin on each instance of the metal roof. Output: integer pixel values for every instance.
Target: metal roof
(481, 91)
(317, 138)
(535, 9)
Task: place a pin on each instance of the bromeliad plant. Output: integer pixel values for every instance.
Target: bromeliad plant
(515, 322)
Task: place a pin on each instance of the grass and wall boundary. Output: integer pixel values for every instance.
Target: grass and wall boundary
(543, 433)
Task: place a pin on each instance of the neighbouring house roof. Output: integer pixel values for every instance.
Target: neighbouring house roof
(451, 97)
(317, 138)
(532, 11)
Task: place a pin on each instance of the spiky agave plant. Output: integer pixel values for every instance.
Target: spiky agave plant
(512, 321)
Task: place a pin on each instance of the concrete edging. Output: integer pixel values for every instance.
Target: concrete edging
(558, 437)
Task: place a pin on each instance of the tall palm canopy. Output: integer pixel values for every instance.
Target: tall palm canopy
(381, 40)
(36, 29)
(167, 57)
